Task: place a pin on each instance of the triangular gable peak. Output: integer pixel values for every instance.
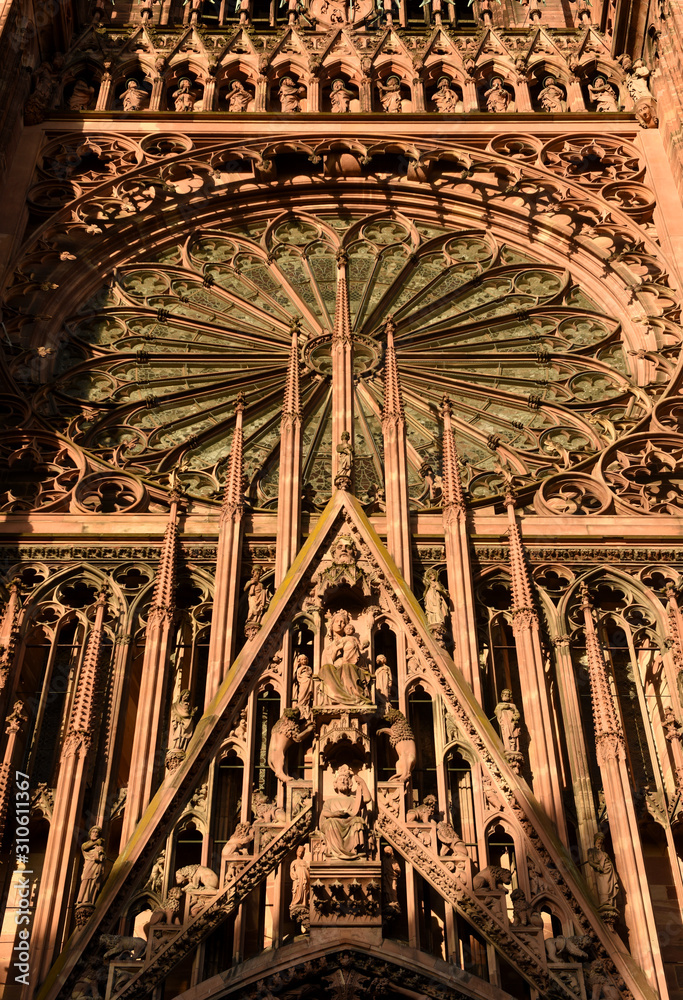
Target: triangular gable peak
(139, 41)
(543, 43)
(440, 44)
(239, 43)
(344, 563)
(339, 42)
(391, 44)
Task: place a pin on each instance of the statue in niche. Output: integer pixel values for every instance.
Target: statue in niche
(134, 98)
(343, 677)
(290, 94)
(300, 874)
(257, 598)
(497, 97)
(637, 83)
(509, 719)
(384, 680)
(435, 599)
(182, 721)
(303, 686)
(81, 96)
(447, 99)
(390, 95)
(238, 97)
(603, 95)
(340, 97)
(391, 872)
(343, 821)
(286, 731)
(93, 867)
(606, 877)
(403, 741)
(344, 461)
(551, 98)
(184, 98)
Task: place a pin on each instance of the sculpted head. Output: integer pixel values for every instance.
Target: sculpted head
(342, 779)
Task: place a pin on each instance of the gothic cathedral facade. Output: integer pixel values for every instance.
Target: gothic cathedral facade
(341, 557)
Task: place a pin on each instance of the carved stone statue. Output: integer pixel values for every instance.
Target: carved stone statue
(508, 717)
(134, 98)
(303, 686)
(423, 813)
(599, 983)
(342, 819)
(383, 681)
(390, 95)
(391, 871)
(240, 839)
(156, 878)
(606, 878)
(290, 95)
(238, 97)
(93, 867)
(264, 810)
(524, 915)
(168, 912)
(257, 597)
(497, 97)
(566, 948)
(552, 97)
(194, 877)
(182, 722)
(603, 95)
(344, 461)
(492, 879)
(342, 675)
(81, 96)
(120, 947)
(435, 599)
(286, 731)
(340, 97)
(447, 99)
(183, 98)
(637, 83)
(403, 741)
(300, 874)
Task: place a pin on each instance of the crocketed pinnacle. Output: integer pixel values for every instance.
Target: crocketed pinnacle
(453, 493)
(522, 597)
(163, 600)
(9, 624)
(233, 497)
(605, 718)
(82, 722)
(342, 314)
(393, 400)
(291, 409)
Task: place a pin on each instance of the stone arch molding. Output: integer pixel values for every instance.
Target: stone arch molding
(597, 274)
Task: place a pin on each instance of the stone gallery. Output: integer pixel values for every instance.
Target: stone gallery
(341, 473)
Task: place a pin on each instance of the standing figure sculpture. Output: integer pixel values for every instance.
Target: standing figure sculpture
(303, 686)
(603, 95)
(344, 452)
(637, 83)
(390, 95)
(290, 94)
(93, 868)
(182, 722)
(383, 681)
(183, 98)
(551, 98)
(447, 99)
(340, 97)
(134, 98)
(605, 877)
(508, 717)
(81, 96)
(257, 598)
(300, 874)
(435, 599)
(238, 97)
(342, 819)
(497, 97)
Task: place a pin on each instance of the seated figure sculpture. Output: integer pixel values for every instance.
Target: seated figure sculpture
(342, 675)
(342, 819)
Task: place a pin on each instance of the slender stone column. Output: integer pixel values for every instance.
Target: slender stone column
(228, 559)
(14, 721)
(154, 680)
(538, 716)
(458, 564)
(74, 764)
(342, 364)
(395, 462)
(628, 855)
(9, 630)
(289, 493)
(675, 624)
